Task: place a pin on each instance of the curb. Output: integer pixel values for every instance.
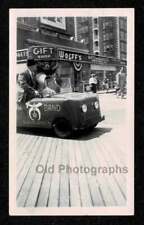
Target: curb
(106, 92)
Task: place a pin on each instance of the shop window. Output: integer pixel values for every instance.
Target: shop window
(104, 37)
(123, 55)
(96, 53)
(105, 48)
(110, 24)
(110, 35)
(86, 40)
(103, 26)
(121, 23)
(125, 24)
(108, 48)
(95, 34)
(65, 68)
(95, 20)
(123, 35)
(66, 72)
(96, 44)
(123, 47)
(106, 24)
(83, 29)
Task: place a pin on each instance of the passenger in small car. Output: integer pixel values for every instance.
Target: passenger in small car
(33, 83)
(43, 88)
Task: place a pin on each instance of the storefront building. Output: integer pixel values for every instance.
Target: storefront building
(57, 34)
(74, 61)
(107, 68)
(73, 67)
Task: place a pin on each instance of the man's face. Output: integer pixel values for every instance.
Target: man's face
(33, 68)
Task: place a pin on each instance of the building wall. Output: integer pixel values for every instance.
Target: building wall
(29, 29)
(106, 36)
(100, 35)
(84, 32)
(123, 37)
(113, 36)
(96, 37)
(103, 40)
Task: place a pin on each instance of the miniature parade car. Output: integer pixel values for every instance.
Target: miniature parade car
(65, 113)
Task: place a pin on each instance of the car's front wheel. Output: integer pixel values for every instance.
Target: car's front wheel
(90, 128)
(62, 128)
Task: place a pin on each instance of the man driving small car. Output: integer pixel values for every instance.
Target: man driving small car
(32, 82)
(27, 81)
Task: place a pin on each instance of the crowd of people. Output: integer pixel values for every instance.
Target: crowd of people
(97, 85)
(119, 84)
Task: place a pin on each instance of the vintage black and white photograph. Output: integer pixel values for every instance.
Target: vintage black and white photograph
(71, 112)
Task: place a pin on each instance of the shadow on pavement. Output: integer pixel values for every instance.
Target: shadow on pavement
(91, 134)
(79, 135)
(36, 132)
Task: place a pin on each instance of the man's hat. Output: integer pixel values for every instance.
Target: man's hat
(31, 62)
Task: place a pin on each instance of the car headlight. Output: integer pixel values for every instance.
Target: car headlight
(96, 105)
(84, 108)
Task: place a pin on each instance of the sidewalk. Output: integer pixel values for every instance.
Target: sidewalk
(106, 92)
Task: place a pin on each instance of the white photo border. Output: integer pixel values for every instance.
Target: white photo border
(13, 14)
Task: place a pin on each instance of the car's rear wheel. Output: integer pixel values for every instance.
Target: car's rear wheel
(62, 128)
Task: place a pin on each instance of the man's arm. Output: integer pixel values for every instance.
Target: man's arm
(24, 84)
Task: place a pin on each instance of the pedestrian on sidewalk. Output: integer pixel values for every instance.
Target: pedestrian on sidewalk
(120, 83)
(106, 81)
(93, 83)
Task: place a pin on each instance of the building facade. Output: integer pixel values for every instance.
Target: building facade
(106, 38)
(113, 37)
(83, 45)
(55, 33)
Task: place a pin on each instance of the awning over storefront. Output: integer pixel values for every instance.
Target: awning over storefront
(103, 67)
(65, 54)
(51, 53)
